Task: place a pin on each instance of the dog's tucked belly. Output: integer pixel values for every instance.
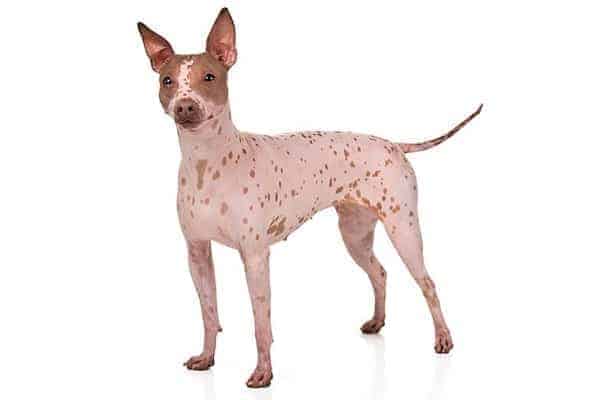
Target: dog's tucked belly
(264, 187)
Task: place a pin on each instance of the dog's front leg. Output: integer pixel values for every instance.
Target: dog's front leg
(256, 264)
(203, 275)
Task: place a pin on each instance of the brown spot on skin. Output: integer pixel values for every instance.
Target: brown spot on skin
(346, 154)
(252, 173)
(257, 236)
(245, 220)
(277, 226)
(245, 190)
(183, 181)
(216, 175)
(294, 193)
(230, 155)
(428, 288)
(224, 208)
(352, 164)
(224, 161)
(376, 173)
(339, 189)
(410, 214)
(200, 168)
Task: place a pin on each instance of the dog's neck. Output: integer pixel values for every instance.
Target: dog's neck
(210, 138)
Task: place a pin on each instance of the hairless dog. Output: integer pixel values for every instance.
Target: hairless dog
(250, 191)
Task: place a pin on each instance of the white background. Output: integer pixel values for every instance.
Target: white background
(95, 296)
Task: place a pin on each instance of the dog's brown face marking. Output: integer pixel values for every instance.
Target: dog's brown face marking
(205, 67)
(193, 88)
(199, 78)
(168, 73)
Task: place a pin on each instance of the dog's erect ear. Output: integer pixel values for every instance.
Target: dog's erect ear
(158, 49)
(221, 40)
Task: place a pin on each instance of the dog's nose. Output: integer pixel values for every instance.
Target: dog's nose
(187, 111)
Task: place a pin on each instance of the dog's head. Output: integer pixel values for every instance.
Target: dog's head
(193, 88)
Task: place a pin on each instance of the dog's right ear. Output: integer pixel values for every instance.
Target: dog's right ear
(157, 48)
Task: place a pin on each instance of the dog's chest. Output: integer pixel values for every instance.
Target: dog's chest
(203, 201)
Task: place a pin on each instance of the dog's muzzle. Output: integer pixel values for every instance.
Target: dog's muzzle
(187, 113)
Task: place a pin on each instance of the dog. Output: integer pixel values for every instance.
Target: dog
(250, 191)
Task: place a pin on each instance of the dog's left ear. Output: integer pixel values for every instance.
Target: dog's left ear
(221, 40)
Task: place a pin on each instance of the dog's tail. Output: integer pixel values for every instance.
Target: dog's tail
(413, 147)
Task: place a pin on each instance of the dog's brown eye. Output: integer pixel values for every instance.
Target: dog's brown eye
(209, 77)
(167, 80)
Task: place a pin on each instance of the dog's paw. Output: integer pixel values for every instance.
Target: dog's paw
(200, 363)
(372, 326)
(443, 342)
(261, 377)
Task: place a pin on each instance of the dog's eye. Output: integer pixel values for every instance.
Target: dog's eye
(209, 77)
(167, 81)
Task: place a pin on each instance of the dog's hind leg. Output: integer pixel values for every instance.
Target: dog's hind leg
(357, 226)
(403, 229)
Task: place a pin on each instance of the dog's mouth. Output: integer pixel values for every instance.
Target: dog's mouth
(192, 123)
(188, 123)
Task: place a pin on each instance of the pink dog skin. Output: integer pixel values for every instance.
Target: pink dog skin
(250, 191)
